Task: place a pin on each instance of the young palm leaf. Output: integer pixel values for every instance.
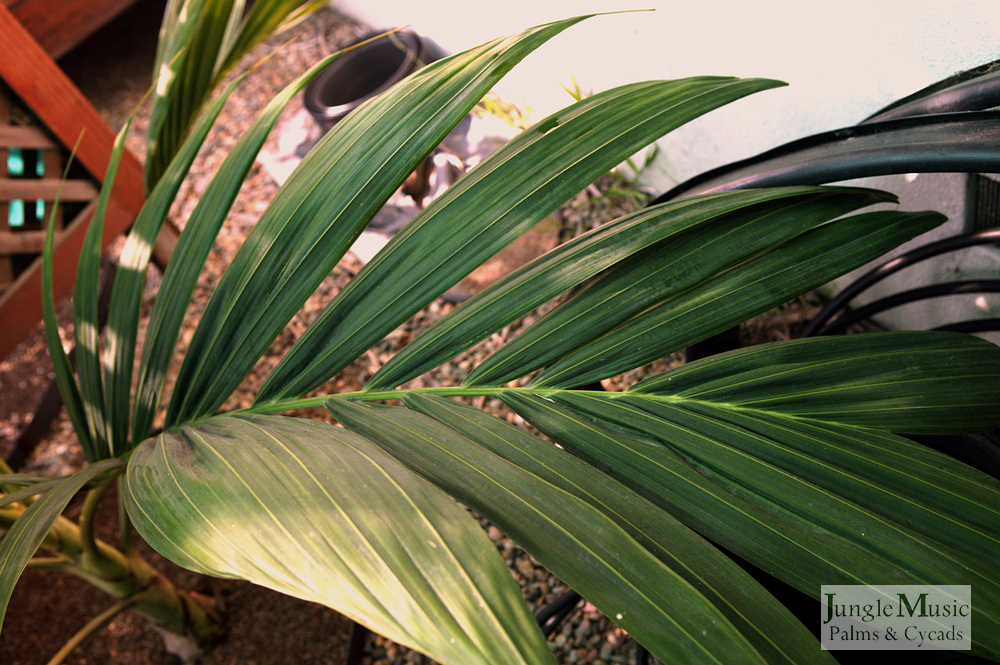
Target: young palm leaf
(86, 327)
(193, 248)
(200, 42)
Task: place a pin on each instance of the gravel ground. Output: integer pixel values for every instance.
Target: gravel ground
(116, 86)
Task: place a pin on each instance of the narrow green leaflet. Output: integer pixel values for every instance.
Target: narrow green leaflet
(182, 20)
(322, 209)
(69, 389)
(671, 227)
(320, 513)
(589, 551)
(200, 42)
(686, 241)
(804, 532)
(502, 198)
(905, 382)
(722, 301)
(86, 327)
(767, 624)
(192, 250)
(126, 296)
(264, 18)
(23, 539)
(32, 486)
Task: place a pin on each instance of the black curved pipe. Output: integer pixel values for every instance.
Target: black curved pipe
(908, 296)
(877, 274)
(940, 143)
(972, 90)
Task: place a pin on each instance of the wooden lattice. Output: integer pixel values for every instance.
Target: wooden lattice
(31, 170)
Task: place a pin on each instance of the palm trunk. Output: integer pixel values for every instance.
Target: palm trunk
(187, 620)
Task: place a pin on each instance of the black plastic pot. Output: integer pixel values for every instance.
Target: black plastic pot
(365, 72)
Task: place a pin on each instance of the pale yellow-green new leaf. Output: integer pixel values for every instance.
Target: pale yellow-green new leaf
(323, 514)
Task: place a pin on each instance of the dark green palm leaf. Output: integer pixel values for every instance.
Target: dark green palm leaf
(717, 303)
(323, 208)
(567, 534)
(712, 228)
(941, 143)
(502, 198)
(811, 496)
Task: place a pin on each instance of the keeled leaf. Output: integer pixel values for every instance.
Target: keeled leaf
(688, 242)
(321, 513)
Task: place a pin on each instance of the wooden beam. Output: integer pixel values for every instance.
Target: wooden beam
(23, 242)
(25, 294)
(13, 189)
(29, 138)
(60, 105)
(60, 25)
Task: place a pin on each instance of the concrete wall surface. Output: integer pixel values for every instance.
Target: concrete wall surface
(842, 60)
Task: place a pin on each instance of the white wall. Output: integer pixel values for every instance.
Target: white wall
(842, 60)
